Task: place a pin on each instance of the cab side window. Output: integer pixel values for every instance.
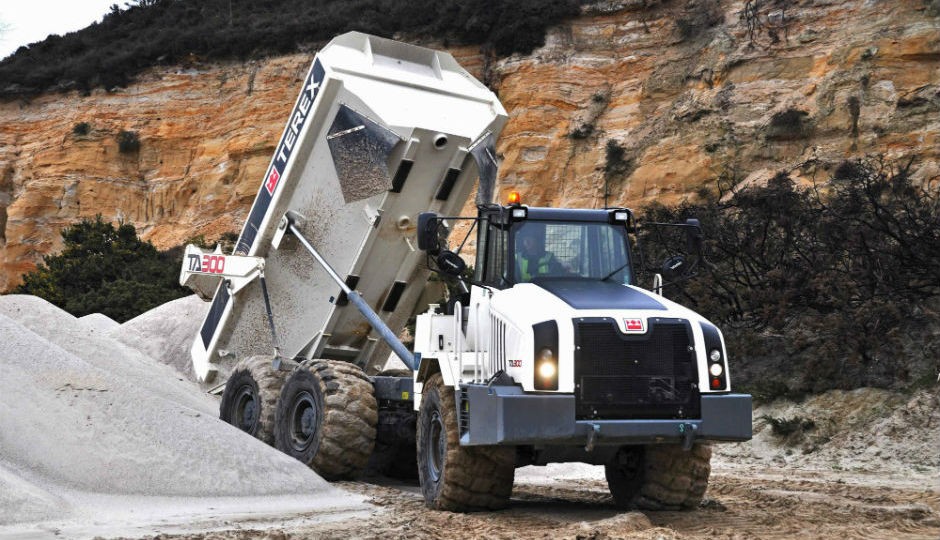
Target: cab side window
(494, 272)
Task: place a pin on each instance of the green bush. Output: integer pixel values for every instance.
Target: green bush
(105, 269)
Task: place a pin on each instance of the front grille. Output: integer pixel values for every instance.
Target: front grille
(635, 376)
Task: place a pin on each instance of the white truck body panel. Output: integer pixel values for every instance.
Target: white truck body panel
(510, 314)
(378, 131)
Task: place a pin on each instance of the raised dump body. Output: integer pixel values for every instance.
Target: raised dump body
(380, 132)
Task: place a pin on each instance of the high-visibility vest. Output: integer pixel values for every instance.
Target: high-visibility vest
(541, 268)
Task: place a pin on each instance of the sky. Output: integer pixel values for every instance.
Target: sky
(29, 21)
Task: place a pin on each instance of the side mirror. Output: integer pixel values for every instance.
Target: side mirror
(451, 264)
(428, 239)
(693, 236)
(674, 267)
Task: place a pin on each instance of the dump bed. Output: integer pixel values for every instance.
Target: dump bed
(380, 132)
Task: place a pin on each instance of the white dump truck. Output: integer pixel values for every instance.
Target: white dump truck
(549, 352)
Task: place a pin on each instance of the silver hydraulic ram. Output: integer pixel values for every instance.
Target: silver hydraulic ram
(374, 320)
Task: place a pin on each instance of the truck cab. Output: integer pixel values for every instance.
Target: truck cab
(557, 353)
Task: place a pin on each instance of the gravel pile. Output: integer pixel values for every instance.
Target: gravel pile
(83, 413)
(166, 332)
(99, 322)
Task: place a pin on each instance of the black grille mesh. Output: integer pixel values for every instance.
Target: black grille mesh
(635, 376)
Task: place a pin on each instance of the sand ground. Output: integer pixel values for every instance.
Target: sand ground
(743, 502)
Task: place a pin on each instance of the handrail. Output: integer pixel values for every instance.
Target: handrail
(476, 343)
(658, 284)
(458, 334)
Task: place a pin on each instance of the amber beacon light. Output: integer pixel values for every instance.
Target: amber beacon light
(514, 198)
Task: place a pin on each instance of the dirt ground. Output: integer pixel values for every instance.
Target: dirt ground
(859, 464)
(863, 463)
(741, 503)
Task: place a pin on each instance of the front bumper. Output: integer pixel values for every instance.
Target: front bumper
(506, 415)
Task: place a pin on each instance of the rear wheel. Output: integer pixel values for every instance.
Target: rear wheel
(250, 397)
(326, 416)
(659, 477)
(454, 477)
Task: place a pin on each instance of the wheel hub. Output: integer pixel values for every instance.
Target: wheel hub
(436, 446)
(303, 421)
(246, 409)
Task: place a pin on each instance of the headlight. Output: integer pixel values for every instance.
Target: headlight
(545, 353)
(716, 357)
(547, 369)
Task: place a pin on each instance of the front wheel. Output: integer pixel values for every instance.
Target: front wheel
(659, 477)
(454, 477)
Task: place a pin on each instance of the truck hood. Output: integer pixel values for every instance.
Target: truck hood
(595, 294)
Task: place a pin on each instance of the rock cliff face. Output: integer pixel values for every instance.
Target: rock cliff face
(654, 100)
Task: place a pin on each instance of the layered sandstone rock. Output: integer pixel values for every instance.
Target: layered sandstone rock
(654, 100)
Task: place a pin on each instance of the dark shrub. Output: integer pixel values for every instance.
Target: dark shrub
(581, 131)
(697, 17)
(615, 161)
(105, 269)
(823, 287)
(128, 142)
(109, 53)
(789, 124)
(784, 427)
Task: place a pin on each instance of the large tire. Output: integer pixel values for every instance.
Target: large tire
(659, 477)
(326, 417)
(454, 477)
(250, 397)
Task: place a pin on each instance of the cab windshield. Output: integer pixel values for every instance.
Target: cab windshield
(555, 249)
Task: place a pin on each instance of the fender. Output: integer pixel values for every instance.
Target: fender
(428, 367)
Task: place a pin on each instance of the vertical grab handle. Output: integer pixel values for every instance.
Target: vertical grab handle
(484, 373)
(458, 338)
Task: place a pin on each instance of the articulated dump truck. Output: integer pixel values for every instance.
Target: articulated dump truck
(550, 352)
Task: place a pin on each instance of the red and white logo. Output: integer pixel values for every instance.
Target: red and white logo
(634, 326)
(271, 182)
(213, 264)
